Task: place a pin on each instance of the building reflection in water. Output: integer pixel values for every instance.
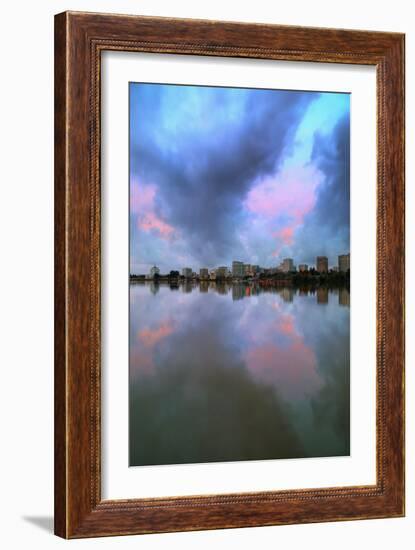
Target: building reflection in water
(238, 292)
(246, 290)
(323, 295)
(344, 297)
(154, 287)
(204, 286)
(187, 286)
(222, 288)
(287, 294)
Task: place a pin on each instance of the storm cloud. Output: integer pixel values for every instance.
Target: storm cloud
(326, 229)
(218, 174)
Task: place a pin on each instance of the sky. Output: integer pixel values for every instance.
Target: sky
(223, 174)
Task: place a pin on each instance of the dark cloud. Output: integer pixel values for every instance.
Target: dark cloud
(332, 156)
(326, 228)
(204, 176)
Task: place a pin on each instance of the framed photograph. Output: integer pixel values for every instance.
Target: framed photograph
(229, 275)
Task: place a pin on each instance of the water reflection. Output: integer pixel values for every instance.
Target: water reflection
(222, 372)
(323, 295)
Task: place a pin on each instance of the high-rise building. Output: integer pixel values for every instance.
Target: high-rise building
(322, 264)
(204, 273)
(187, 272)
(303, 267)
(344, 262)
(287, 265)
(238, 269)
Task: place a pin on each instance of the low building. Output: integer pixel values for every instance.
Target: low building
(303, 267)
(322, 264)
(344, 262)
(187, 272)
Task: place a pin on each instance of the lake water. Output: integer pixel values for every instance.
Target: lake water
(237, 372)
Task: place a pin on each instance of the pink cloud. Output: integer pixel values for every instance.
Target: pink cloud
(141, 354)
(142, 197)
(285, 234)
(290, 367)
(289, 195)
(151, 221)
(150, 337)
(285, 324)
(142, 203)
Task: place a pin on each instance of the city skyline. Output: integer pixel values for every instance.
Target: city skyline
(224, 173)
(343, 264)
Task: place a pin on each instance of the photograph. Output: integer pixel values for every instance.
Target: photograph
(239, 274)
(207, 238)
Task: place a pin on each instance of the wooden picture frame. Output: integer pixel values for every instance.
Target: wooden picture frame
(79, 40)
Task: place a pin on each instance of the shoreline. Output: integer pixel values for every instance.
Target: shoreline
(301, 282)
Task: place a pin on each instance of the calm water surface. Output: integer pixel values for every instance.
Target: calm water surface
(234, 372)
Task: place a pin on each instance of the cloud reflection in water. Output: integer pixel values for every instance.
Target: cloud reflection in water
(231, 373)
